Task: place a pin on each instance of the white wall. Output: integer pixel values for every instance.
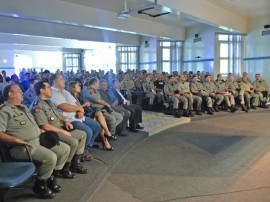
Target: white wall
(203, 49)
(148, 54)
(39, 59)
(257, 48)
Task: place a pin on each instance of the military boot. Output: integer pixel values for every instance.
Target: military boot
(185, 113)
(41, 189)
(76, 165)
(244, 108)
(65, 172)
(52, 184)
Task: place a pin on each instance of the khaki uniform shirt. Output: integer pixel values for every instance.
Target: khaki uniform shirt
(92, 95)
(45, 112)
(171, 88)
(233, 85)
(148, 86)
(184, 87)
(127, 84)
(261, 85)
(197, 86)
(17, 121)
(221, 86)
(246, 86)
(210, 87)
(139, 83)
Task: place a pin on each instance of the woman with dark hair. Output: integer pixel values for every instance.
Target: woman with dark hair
(75, 89)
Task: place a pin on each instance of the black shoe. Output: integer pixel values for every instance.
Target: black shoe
(52, 184)
(133, 130)
(244, 108)
(233, 109)
(209, 111)
(216, 108)
(65, 172)
(41, 189)
(190, 113)
(106, 148)
(198, 113)
(185, 113)
(112, 137)
(76, 165)
(139, 127)
(254, 107)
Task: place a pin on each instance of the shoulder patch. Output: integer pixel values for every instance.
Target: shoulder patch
(36, 102)
(92, 92)
(37, 110)
(1, 106)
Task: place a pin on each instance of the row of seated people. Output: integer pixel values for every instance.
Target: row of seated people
(212, 93)
(58, 111)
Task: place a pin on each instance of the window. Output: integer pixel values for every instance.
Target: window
(72, 61)
(170, 56)
(128, 57)
(230, 53)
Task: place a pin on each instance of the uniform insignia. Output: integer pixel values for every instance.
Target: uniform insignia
(1, 106)
(92, 92)
(22, 122)
(52, 118)
(37, 110)
(36, 102)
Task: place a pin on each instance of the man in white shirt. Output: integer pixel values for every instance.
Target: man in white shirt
(73, 111)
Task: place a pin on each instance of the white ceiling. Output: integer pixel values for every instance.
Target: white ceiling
(245, 8)
(174, 18)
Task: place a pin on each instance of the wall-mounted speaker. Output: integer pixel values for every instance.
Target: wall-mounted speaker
(266, 26)
(196, 35)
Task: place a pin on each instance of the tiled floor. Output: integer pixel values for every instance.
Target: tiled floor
(155, 122)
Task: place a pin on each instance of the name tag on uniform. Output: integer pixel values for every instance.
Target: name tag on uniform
(22, 122)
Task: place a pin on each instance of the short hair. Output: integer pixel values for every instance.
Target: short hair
(114, 80)
(257, 75)
(206, 75)
(6, 90)
(103, 81)
(39, 85)
(32, 81)
(92, 81)
(171, 76)
(52, 78)
(218, 75)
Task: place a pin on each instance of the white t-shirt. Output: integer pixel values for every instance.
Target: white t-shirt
(60, 97)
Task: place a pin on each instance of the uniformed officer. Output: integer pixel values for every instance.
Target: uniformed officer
(49, 119)
(128, 86)
(29, 95)
(249, 93)
(91, 95)
(197, 88)
(149, 90)
(18, 125)
(234, 88)
(172, 90)
(211, 88)
(228, 97)
(261, 88)
(185, 90)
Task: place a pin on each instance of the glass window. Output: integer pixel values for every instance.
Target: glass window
(170, 56)
(223, 50)
(224, 66)
(128, 57)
